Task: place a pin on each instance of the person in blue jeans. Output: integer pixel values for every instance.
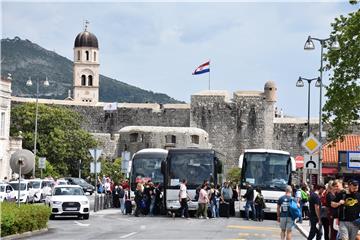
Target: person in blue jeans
(298, 201)
(249, 196)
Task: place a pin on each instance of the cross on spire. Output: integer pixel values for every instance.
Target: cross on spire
(86, 25)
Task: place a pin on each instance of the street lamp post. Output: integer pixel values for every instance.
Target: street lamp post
(300, 83)
(309, 45)
(29, 83)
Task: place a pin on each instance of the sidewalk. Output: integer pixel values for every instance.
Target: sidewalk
(304, 228)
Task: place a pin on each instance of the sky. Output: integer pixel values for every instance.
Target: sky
(157, 45)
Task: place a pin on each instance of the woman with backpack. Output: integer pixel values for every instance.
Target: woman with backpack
(259, 205)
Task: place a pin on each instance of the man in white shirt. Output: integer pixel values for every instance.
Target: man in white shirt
(183, 198)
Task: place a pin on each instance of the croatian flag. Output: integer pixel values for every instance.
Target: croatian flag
(203, 68)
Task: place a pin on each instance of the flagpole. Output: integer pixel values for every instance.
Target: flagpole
(209, 74)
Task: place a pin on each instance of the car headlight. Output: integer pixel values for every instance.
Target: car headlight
(56, 202)
(84, 202)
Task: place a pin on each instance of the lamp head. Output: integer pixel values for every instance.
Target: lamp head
(46, 83)
(299, 82)
(318, 82)
(29, 82)
(309, 44)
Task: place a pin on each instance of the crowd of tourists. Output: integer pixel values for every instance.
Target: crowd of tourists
(333, 210)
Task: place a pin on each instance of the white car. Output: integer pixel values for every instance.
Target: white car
(40, 188)
(68, 200)
(25, 196)
(7, 192)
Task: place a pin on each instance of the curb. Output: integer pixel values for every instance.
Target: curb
(26, 234)
(302, 230)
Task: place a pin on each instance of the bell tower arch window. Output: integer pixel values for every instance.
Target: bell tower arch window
(87, 55)
(90, 80)
(94, 56)
(78, 55)
(83, 80)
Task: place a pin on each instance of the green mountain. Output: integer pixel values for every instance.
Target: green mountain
(22, 59)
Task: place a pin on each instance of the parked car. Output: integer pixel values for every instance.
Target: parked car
(7, 192)
(25, 196)
(87, 187)
(68, 200)
(40, 188)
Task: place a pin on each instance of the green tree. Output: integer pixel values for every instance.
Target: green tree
(343, 105)
(112, 169)
(60, 137)
(234, 175)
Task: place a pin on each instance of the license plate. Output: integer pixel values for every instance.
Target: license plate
(71, 208)
(266, 209)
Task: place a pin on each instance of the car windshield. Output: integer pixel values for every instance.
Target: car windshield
(46, 184)
(16, 186)
(67, 191)
(35, 184)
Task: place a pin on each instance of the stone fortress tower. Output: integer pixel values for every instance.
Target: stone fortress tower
(86, 67)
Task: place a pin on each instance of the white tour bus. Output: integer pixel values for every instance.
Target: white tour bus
(268, 169)
(146, 166)
(194, 165)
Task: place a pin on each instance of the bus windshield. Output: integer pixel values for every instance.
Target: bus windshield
(148, 169)
(194, 167)
(270, 171)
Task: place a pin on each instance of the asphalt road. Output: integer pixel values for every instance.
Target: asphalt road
(111, 224)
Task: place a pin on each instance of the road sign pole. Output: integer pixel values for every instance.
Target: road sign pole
(95, 205)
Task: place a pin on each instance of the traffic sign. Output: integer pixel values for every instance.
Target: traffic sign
(353, 159)
(311, 144)
(42, 162)
(95, 153)
(98, 167)
(311, 162)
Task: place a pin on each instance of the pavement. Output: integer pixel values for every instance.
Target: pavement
(304, 228)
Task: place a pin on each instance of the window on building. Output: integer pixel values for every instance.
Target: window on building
(83, 80)
(2, 124)
(78, 55)
(195, 139)
(94, 56)
(134, 137)
(90, 80)
(87, 55)
(170, 139)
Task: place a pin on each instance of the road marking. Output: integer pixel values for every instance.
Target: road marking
(82, 224)
(254, 228)
(128, 235)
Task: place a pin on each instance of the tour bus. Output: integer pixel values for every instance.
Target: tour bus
(146, 166)
(268, 169)
(194, 165)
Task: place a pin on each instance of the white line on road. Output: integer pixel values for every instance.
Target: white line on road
(128, 235)
(82, 224)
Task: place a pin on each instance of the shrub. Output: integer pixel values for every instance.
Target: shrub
(21, 219)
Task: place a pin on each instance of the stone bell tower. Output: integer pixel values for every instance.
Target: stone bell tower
(86, 67)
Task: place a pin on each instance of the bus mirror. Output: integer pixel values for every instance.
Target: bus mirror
(293, 164)
(163, 167)
(219, 166)
(241, 160)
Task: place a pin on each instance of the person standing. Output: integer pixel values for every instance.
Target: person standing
(203, 202)
(249, 196)
(283, 214)
(183, 199)
(315, 217)
(138, 199)
(259, 205)
(122, 199)
(349, 209)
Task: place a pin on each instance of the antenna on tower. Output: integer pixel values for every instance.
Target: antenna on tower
(86, 23)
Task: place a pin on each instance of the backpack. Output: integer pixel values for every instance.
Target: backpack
(294, 210)
(304, 196)
(259, 200)
(121, 193)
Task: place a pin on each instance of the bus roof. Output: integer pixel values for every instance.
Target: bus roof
(263, 150)
(152, 150)
(190, 150)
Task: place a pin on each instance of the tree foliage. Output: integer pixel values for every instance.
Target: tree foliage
(112, 169)
(234, 175)
(342, 108)
(60, 138)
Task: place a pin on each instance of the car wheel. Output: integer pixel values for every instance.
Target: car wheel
(52, 217)
(86, 216)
